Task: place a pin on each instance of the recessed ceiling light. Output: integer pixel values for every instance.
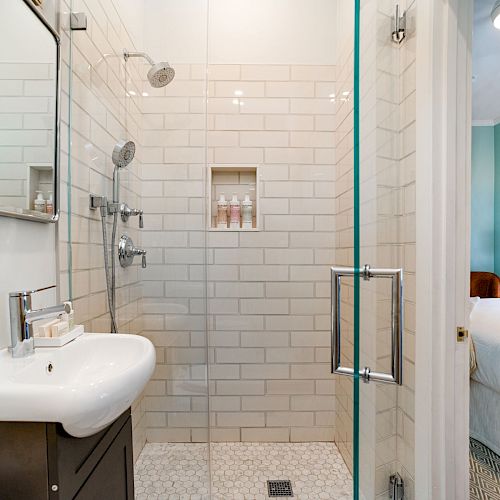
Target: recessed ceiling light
(495, 15)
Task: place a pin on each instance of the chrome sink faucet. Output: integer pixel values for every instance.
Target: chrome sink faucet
(22, 317)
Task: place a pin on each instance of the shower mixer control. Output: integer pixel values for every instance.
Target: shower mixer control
(127, 251)
(126, 212)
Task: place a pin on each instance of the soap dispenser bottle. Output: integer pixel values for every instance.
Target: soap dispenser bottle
(222, 212)
(40, 204)
(234, 212)
(246, 212)
(50, 204)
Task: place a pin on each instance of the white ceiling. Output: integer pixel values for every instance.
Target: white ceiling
(485, 65)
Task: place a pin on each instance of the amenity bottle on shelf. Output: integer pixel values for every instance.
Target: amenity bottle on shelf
(222, 212)
(246, 212)
(234, 213)
(40, 204)
(50, 204)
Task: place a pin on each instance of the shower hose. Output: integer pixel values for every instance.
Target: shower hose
(110, 274)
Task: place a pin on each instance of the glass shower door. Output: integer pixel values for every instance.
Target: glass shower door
(374, 281)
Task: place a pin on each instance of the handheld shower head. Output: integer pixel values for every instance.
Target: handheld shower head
(123, 153)
(159, 75)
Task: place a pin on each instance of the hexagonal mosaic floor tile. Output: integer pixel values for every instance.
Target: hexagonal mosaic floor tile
(179, 471)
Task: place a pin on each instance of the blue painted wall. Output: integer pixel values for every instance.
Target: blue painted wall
(497, 198)
(485, 235)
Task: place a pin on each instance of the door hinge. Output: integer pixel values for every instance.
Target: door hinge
(396, 487)
(462, 334)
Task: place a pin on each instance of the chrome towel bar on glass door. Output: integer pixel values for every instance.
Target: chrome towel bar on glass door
(395, 377)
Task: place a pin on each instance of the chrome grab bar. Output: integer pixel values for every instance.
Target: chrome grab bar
(396, 375)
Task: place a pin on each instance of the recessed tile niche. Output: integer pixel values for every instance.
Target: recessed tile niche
(39, 178)
(233, 179)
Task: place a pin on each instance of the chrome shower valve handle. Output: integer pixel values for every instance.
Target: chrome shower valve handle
(142, 253)
(127, 212)
(127, 251)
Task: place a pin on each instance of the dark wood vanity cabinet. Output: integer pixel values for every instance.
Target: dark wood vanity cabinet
(40, 461)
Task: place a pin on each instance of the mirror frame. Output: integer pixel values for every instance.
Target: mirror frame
(31, 215)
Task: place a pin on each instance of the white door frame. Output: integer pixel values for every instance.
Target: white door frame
(443, 55)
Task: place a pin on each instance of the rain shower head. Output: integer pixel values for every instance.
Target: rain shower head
(123, 153)
(159, 75)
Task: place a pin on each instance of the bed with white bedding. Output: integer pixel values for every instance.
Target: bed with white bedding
(485, 379)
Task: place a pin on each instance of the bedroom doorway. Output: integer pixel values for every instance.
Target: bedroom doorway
(484, 424)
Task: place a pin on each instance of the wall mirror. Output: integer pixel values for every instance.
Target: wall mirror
(29, 113)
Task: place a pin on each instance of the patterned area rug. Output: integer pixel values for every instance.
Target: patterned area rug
(484, 472)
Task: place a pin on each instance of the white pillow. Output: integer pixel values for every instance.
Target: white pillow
(473, 302)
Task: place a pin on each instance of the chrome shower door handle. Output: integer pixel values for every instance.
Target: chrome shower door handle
(396, 276)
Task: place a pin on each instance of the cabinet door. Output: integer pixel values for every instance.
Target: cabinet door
(74, 459)
(113, 476)
(23, 461)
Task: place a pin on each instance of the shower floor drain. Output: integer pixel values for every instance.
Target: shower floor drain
(279, 488)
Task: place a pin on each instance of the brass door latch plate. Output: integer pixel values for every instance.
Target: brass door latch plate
(462, 334)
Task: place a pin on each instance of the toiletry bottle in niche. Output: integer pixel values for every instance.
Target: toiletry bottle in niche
(246, 212)
(222, 212)
(234, 212)
(50, 204)
(40, 204)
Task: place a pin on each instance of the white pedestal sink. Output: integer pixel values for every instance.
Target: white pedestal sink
(84, 385)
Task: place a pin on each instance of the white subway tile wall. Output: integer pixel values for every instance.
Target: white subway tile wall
(387, 180)
(27, 118)
(174, 176)
(101, 98)
(267, 308)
